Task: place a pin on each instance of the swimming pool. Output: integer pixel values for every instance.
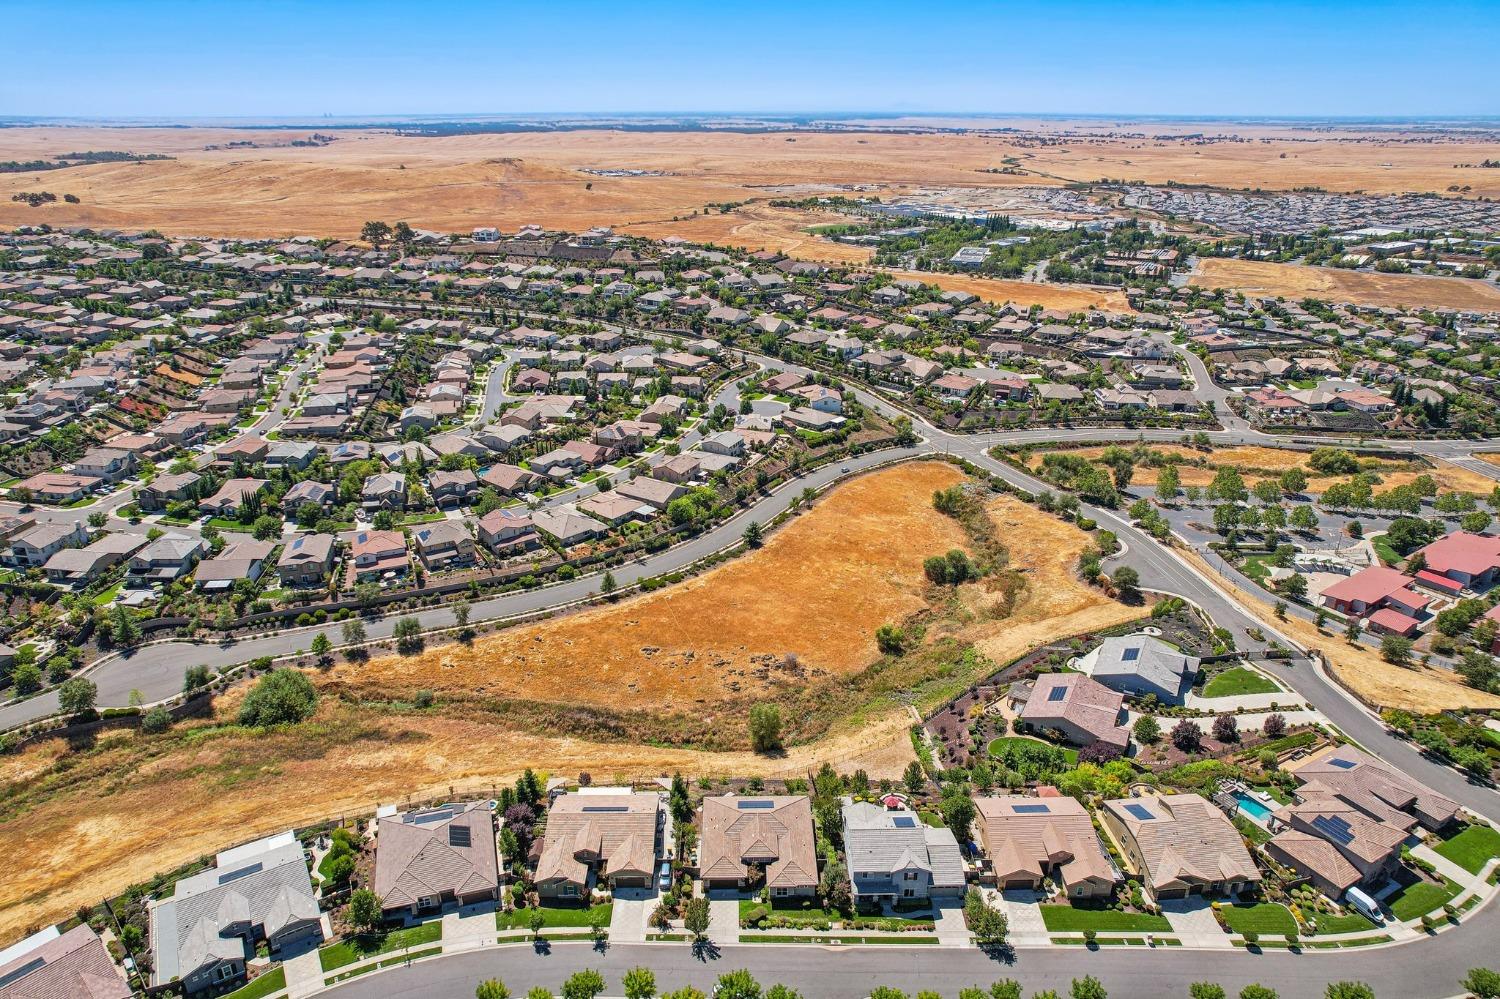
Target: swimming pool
(1253, 807)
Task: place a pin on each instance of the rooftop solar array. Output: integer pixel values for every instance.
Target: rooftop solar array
(1057, 693)
(904, 822)
(606, 808)
(1341, 763)
(1037, 809)
(435, 815)
(1335, 828)
(240, 873)
(1139, 811)
(1130, 655)
(754, 803)
(459, 836)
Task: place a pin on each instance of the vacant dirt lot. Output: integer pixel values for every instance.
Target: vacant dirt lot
(1255, 277)
(458, 182)
(1277, 460)
(816, 592)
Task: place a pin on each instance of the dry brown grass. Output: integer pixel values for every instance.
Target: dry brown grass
(1420, 689)
(1067, 297)
(727, 633)
(760, 227)
(461, 181)
(1259, 278)
(1392, 473)
(1056, 602)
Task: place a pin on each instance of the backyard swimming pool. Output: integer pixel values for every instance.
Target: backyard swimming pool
(1252, 806)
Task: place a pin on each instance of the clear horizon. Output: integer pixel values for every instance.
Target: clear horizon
(1277, 59)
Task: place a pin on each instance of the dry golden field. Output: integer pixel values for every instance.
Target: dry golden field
(1259, 278)
(461, 181)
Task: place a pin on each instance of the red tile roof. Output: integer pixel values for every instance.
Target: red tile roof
(1463, 552)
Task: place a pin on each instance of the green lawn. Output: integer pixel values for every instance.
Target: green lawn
(1257, 567)
(270, 983)
(554, 915)
(420, 518)
(105, 596)
(1347, 923)
(1004, 740)
(1250, 830)
(1238, 681)
(1421, 898)
(1266, 918)
(358, 948)
(1066, 919)
(1383, 548)
(1472, 848)
(793, 911)
(231, 524)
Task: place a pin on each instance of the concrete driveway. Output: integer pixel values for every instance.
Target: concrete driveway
(724, 917)
(628, 920)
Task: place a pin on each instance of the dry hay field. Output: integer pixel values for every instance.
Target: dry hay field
(457, 182)
(76, 815)
(1273, 461)
(1259, 278)
(759, 227)
(1416, 688)
(1067, 297)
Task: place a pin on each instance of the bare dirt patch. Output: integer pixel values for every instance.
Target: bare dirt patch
(1066, 297)
(1259, 278)
(816, 592)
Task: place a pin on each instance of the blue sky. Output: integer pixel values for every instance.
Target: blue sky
(280, 58)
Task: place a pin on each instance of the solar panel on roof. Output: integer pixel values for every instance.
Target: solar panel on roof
(436, 815)
(459, 836)
(1057, 693)
(1130, 655)
(1342, 763)
(240, 872)
(1334, 828)
(1139, 811)
(1031, 809)
(35, 964)
(755, 803)
(904, 822)
(606, 808)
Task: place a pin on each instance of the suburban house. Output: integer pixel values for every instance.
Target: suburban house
(205, 932)
(1084, 710)
(240, 560)
(608, 835)
(378, 555)
(566, 525)
(1139, 665)
(35, 545)
(383, 491)
(53, 965)
(1335, 844)
(430, 858)
(306, 561)
(444, 545)
(168, 558)
(166, 489)
(231, 497)
(1181, 845)
(1029, 840)
(745, 841)
(652, 492)
(506, 531)
(80, 566)
(894, 855)
(1372, 786)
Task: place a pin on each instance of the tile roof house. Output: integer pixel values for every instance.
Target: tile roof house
(505, 531)
(425, 859)
(893, 855)
(1375, 588)
(1140, 665)
(743, 837)
(71, 965)
(1029, 839)
(306, 561)
(1081, 708)
(241, 560)
(1366, 850)
(209, 928)
(1373, 787)
(444, 545)
(1182, 845)
(599, 834)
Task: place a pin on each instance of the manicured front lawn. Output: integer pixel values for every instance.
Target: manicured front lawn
(1421, 898)
(554, 915)
(1348, 923)
(1472, 848)
(1238, 681)
(270, 983)
(1265, 918)
(358, 948)
(1067, 919)
(792, 910)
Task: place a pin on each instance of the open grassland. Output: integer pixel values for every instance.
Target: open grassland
(815, 594)
(1416, 688)
(1259, 278)
(1256, 463)
(457, 182)
(75, 814)
(759, 227)
(1067, 297)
